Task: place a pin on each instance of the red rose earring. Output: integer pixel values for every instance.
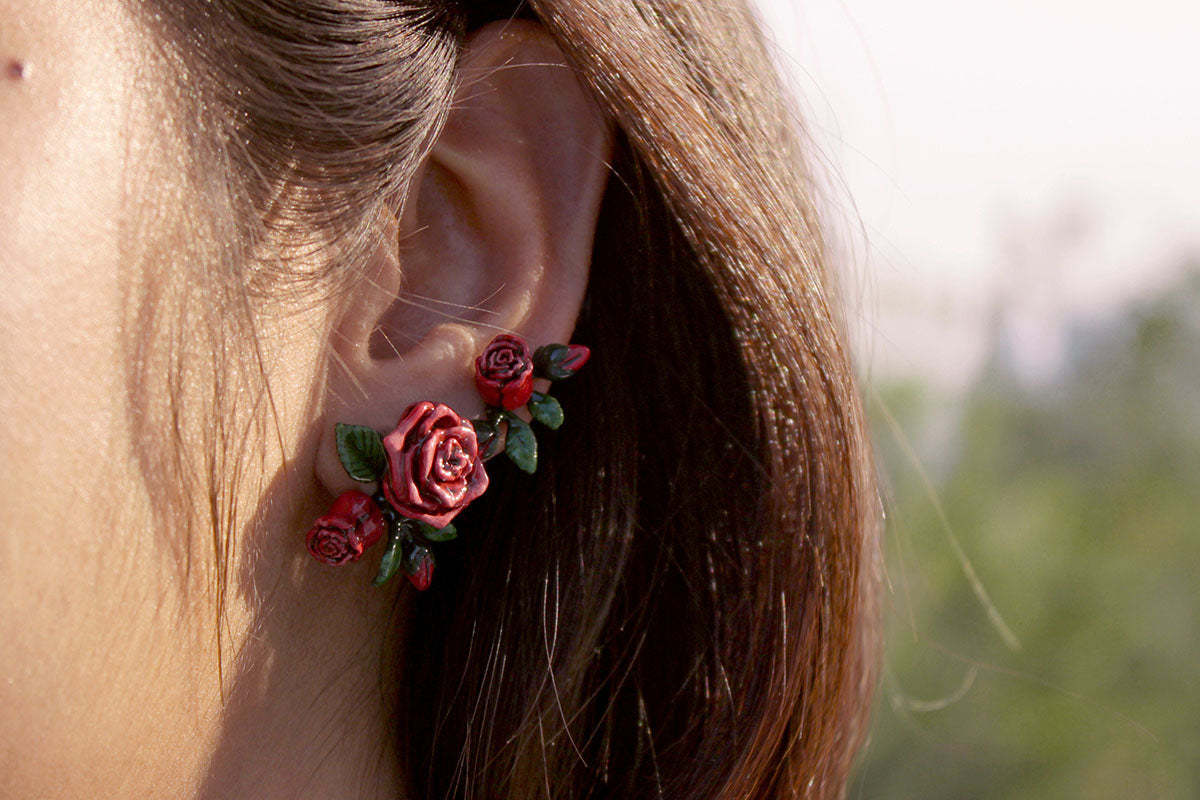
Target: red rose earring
(430, 467)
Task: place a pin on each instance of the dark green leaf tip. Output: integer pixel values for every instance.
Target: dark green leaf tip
(392, 555)
(443, 534)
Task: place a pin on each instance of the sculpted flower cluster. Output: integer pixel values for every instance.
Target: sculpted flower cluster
(430, 466)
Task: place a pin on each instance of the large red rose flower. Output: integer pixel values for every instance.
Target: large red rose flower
(504, 372)
(434, 469)
(353, 524)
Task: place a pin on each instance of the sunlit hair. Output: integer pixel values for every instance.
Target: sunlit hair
(680, 604)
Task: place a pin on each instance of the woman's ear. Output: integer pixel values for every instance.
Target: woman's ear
(495, 236)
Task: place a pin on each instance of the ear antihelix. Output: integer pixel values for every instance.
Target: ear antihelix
(420, 475)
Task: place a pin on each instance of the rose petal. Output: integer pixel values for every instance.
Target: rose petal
(467, 437)
(450, 462)
(443, 494)
(395, 445)
(442, 416)
(413, 481)
(518, 392)
(449, 495)
(476, 485)
(411, 416)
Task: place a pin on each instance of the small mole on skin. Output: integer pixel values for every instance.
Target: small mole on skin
(17, 70)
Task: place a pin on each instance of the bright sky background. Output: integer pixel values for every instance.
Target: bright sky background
(1044, 151)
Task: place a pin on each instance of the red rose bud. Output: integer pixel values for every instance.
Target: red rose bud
(419, 568)
(558, 362)
(434, 466)
(504, 372)
(353, 524)
(577, 356)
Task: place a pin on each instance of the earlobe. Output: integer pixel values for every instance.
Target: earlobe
(496, 236)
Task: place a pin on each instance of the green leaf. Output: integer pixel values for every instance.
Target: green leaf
(547, 360)
(520, 444)
(393, 554)
(433, 534)
(546, 410)
(361, 450)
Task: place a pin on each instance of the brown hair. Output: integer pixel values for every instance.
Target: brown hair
(680, 603)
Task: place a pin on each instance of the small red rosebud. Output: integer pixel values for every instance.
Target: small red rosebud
(504, 372)
(557, 362)
(353, 524)
(577, 356)
(421, 566)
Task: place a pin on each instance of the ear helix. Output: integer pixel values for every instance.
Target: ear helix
(431, 465)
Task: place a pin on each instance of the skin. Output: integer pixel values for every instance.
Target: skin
(110, 674)
(61, 152)
(113, 680)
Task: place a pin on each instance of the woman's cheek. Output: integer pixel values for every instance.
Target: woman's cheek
(85, 620)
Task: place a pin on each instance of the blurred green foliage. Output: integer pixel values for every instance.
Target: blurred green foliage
(1076, 503)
